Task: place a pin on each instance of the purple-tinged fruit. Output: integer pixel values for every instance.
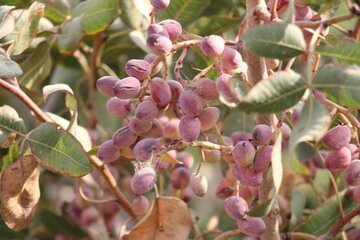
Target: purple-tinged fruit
(236, 207)
(138, 68)
(143, 180)
(118, 107)
(127, 88)
(244, 153)
(108, 152)
(212, 46)
(337, 137)
(105, 85)
(189, 128)
(338, 159)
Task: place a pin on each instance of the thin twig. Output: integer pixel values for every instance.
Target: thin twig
(291, 235)
(341, 223)
(179, 65)
(227, 234)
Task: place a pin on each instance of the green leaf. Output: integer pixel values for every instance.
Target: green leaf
(80, 133)
(7, 20)
(276, 41)
(57, 11)
(8, 68)
(130, 15)
(37, 67)
(208, 25)
(70, 102)
(298, 201)
(313, 124)
(29, 29)
(59, 225)
(184, 11)
(325, 216)
(262, 210)
(279, 92)
(340, 84)
(345, 52)
(98, 15)
(10, 122)
(58, 151)
(70, 38)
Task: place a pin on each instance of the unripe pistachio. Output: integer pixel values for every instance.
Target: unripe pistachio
(146, 148)
(354, 151)
(151, 58)
(159, 44)
(180, 178)
(230, 60)
(190, 103)
(189, 128)
(247, 175)
(236, 207)
(139, 127)
(108, 152)
(171, 129)
(338, 159)
(352, 173)
(238, 136)
(123, 137)
(244, 153)
(198, 184)
(89, 215)
(138, 68)
(175, 88)
(253, 226)
(206, 89)
(160, 92)
(105, 85)
(224, 189)
(127, 88)
(208, 118)
(160, 4)
(143, 180)
(212, 155)
(337, 137)
(173, 28)
(263, 158)
(118, 107)
(140, 205)
(146, 110)
(212, 46)
(156, 130)
(186, 159)
(157, 29)
(262, 134)
(286, 131)
(224, 86)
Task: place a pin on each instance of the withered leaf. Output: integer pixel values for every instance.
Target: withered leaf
(169, 218)
(20, 192)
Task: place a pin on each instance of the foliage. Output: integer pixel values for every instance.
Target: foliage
(138, 118)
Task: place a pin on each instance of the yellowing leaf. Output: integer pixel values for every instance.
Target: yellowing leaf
(166, 157)
(20, 192)
(169, 218)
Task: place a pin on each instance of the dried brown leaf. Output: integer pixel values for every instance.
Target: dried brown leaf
(169, 218)
(20, 192)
